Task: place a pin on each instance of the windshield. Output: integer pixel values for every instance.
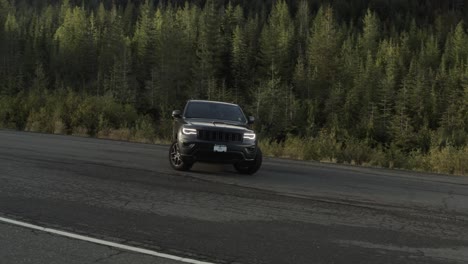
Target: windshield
(218, 111)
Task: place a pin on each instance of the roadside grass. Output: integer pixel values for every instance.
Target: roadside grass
(446, 160)
(70, 113)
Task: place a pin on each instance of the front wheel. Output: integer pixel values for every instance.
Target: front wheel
(175, 159)
(250, 167)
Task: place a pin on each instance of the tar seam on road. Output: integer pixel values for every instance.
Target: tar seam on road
(102, 242)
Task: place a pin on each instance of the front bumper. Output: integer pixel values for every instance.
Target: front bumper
(198, 150)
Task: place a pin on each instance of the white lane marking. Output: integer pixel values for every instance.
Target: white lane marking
(102, 242)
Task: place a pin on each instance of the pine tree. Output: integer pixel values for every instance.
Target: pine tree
(172, 69)
(400, 126)
(387, 58)
(187, 19)
(112, 53)
(5, 8)
(300, 79)
(11, 56)
(459, 42)
(276, 41)
(75, 47)
(252, 30)
(239, 62)
(302, 27)
(127, 18)
(454, 115)
(322, 52)
(118, 82)
(143, 33)
(40, 81)
(209, 50)
(430, 53)
(352, 76)
(371, 33)
(272, 104)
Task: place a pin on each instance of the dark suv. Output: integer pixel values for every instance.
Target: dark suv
(218, 132)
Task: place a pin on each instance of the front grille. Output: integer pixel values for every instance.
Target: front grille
(213, 135)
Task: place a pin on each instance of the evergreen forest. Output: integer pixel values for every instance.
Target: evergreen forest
(367, 82)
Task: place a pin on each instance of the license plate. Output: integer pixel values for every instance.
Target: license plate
(220, 148)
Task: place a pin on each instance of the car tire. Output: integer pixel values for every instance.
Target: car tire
(250, 167)
(175, 159)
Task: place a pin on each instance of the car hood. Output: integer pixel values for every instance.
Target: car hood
(218, 124)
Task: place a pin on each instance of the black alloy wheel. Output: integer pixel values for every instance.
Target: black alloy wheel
(176, 160)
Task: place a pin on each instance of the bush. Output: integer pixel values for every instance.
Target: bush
(79, 131)
(23, 105)
(104, 127)
(144, 130)
(324, 147)
(87, 115)
(128, 116)
(395, 157)
(35, 121)
(70, 103)
(120, 134)
(418, 161)
(65, 112)
(115, 114)
(355, 152)
(6, 112)
(449, 160)
(293, 148)
(271, 150)
(378, 157)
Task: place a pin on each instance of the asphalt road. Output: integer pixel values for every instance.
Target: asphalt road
(289, 212)
(23, 246)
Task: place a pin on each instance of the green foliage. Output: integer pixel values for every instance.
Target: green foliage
(65, 112)
(145, 129)
(6, 112)
(449, 160)
(358, 152)
(371, 33)
(11, 25)
(276, 41)
(322, 52)
(346, 77)
(86, 115)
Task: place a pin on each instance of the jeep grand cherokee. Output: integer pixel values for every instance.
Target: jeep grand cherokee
(218, 132)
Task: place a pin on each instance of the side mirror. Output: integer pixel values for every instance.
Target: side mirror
(176, 114)
(251, 119)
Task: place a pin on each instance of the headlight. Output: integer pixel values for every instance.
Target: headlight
(189, 131)
(249, 136)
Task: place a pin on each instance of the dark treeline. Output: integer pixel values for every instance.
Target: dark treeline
(390, 73)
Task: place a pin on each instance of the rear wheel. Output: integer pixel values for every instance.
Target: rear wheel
(250, 167)
(176, 160)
